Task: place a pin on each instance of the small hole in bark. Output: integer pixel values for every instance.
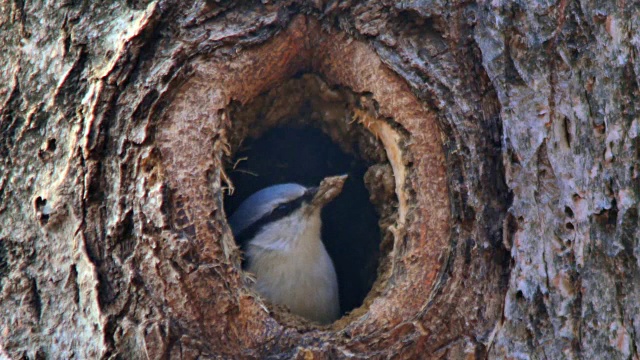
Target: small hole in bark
(568, 211)
(51, 145)
(570, 226)
(567, 130)
(514, 156)
(42, 210)
(40, 202)
(302, 132)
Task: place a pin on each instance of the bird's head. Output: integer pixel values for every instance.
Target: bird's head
(283, 210)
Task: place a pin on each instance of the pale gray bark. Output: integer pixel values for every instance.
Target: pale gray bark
(536, 104)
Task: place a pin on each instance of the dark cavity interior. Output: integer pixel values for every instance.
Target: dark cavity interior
(350, 225)
(302, 131)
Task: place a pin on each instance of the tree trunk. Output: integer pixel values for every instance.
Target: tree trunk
(511, 131)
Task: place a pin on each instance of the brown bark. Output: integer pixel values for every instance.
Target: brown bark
(512, 131)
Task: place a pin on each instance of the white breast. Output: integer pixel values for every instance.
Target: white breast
(293, 268)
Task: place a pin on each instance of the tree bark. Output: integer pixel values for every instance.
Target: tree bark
(512, 129)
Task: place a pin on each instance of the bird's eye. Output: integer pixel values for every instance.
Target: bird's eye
(283, 207)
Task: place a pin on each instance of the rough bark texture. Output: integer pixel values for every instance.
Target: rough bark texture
(112, 129)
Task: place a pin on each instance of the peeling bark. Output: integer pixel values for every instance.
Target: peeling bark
(113, 244)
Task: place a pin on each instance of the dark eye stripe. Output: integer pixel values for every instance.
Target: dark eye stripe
(278, 213)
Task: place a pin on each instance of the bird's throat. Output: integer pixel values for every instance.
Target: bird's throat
(295, 270)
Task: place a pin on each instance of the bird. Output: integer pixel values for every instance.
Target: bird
(279, 229)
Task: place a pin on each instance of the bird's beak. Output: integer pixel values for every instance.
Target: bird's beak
(330, 187)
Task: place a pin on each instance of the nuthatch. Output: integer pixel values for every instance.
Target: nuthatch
(279, 229)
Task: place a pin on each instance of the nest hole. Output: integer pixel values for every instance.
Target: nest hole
(302, 131)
